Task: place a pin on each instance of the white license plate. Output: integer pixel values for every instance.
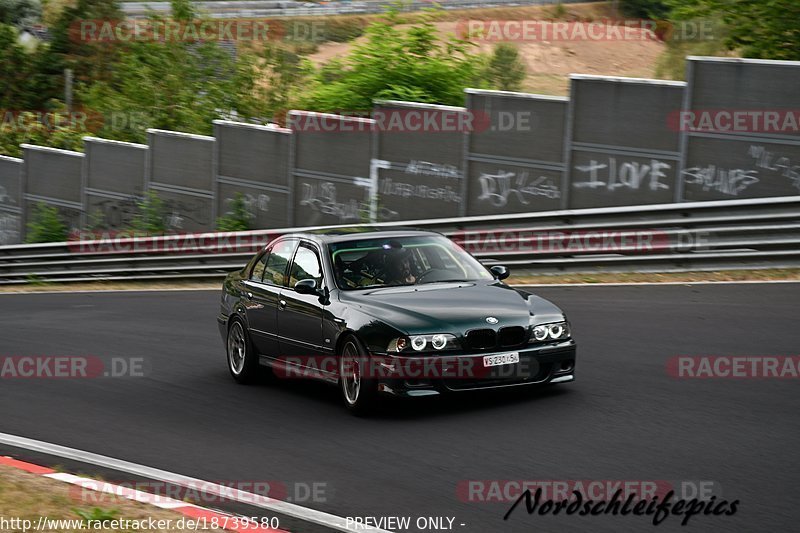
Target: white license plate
(501, 359)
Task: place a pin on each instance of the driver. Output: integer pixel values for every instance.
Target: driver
(398, 267)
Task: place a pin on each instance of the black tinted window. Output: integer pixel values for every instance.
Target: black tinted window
(258, 268)
(278, 262)
(306, 266)
(402, 261)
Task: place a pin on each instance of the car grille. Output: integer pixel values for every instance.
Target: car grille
(481, 339)
(511, 336)
(487, 339)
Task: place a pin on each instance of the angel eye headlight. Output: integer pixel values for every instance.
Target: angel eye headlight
(418, 342)
(541, 333)
(438, 341)
(433, 341)
(554, 331)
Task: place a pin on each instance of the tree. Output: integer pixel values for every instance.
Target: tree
(180, 86)
(506, 69)
(763, 29)
(54, 129)
(20, 12)
(14, 70)
(283, 72)
(398, 63)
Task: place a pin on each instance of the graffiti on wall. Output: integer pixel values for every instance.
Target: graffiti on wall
(254, 204)
(322, 198)
(5, 198)
(426, 168)
(614, 175)
(113, 213)
(730, 182)
(777, 163)
(499, 187)
(184, 212)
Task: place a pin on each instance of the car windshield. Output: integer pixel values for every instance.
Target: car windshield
(390, 262)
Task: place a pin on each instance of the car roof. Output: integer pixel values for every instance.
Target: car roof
(336, 235)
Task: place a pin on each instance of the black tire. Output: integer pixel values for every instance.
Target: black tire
(242, 358)
(359, 394)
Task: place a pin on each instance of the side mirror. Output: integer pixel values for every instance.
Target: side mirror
(499, 271)
(306, 286)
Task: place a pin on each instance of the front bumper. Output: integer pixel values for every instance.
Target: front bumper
(432, 375)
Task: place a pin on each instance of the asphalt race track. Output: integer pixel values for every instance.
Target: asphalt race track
(624, 418)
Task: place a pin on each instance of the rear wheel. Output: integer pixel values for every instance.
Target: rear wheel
(242, 359)
(359, 391)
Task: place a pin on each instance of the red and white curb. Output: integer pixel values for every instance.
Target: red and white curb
(194, 512)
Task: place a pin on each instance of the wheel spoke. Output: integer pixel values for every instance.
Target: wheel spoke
(237, 350)
(350, 373)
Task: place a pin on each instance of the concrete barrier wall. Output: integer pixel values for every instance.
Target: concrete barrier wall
(115, 175)
(516, 152)
(330, 168)
(726, 133)
(759, 157)
(420, 160)
(253, 161)
(621, 149)
(181, 169)
(54, 178)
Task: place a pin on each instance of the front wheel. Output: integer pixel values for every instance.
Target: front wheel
(359, 391)
(242, 359)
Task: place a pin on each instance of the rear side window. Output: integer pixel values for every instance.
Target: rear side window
(278, 262)
(258, 269)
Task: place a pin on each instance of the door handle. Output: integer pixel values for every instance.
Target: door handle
(282, 304)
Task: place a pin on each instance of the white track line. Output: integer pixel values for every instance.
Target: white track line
(92, 291)
(654, 283)
(256, 500)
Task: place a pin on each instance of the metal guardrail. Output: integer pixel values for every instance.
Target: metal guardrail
(737, 234)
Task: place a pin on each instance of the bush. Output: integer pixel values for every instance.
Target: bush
(238, 218)
(757, 29)
(398, 63)
(506, 70)
(558, 11)
(46, 225)
(149, 218)
(343, 29)
(712, 41)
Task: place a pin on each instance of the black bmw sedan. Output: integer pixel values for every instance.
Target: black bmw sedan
(404, 313)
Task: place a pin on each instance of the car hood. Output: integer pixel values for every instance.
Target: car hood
(453, 307)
